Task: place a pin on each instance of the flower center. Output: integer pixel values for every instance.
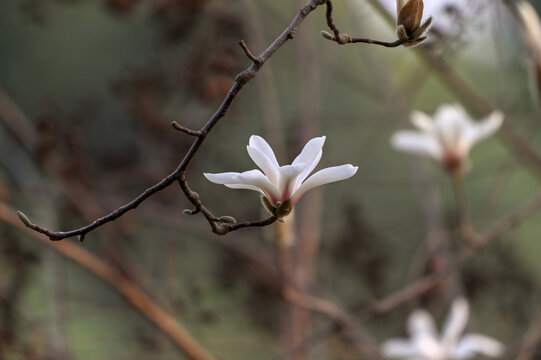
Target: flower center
(452, 161)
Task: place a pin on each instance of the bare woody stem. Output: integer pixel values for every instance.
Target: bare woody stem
(178, 175)
(342, 39)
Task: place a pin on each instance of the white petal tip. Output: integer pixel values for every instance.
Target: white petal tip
(254, 138)
(497, 118)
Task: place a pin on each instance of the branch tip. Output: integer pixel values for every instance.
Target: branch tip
(256, 60)
(185, 130)
(226, 219)
(327, 35)
(24, 219)
(190, 211)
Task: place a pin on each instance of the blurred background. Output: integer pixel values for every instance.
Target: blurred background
(87, 92)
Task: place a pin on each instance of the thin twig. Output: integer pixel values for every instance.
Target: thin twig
(138, 299)
(241, 79)
(509, 222)
(344, 38)
(248, 53)
(184, 129)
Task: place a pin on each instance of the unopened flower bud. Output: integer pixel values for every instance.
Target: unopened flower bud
(227, 219)
(408, 23)
(24, 219)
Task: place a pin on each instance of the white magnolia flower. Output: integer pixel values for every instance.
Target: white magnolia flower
(282, 186)
(447, 137)
(425, 343)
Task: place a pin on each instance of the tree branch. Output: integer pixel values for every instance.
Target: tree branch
(178, 175)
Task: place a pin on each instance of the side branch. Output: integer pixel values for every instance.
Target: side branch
(255, 59)
(342, 39)
(184, 129)
(217, 224)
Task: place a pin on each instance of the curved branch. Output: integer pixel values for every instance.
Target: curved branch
(344, 38)
(178, 175)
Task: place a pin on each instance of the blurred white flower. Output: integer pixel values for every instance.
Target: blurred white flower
(447, 137)
(425, 343)
(282, 186)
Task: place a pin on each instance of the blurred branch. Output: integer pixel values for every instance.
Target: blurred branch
(362, 341)
(309, 213)
(462, 213)
(427, 283)
(477, 241)
(218, 226)
(271, 275)
(269, 102)
(134, 295)
(16, 121)
(531, 339)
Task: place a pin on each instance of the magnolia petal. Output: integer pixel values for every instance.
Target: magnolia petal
(400, 4)
(227, 179)
(289, 175)
(257, 179)
(429, 347)
(259, 143)
(422, 121)
(399, 348)
(221, 178)
(485, 128)
(410, 15)
(309, 169)
(472, 344)
(421, 323)
(246, 187)
(417, 143)
(325, 176)
(451, 110)
(451, 125)
(417, 35)
(264, 163)
(310, 151)
(455, 322)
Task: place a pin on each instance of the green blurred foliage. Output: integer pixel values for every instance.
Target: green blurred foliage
(102, 80)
